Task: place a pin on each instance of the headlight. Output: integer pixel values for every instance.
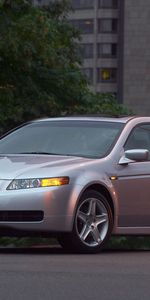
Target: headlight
(18, 184)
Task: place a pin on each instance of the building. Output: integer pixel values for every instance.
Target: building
(135, 55)
(115, 47)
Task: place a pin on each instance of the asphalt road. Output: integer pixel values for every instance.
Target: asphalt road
(40, 274)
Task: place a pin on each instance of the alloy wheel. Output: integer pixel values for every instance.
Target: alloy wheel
(92, 222)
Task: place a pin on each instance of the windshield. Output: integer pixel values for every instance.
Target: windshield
(76, 138)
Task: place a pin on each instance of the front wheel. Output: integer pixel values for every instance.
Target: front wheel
(92, 225)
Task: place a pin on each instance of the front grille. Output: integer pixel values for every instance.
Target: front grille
(21, 216)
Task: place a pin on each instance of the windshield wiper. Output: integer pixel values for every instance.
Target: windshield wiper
(38, 152)
(49, 153)
(59, 154)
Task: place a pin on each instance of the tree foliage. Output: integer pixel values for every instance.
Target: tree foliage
(39, 74)
(100, 103)
(39, 64)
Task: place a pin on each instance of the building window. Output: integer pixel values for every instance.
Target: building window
(86, 26)
(82, 4)
(88, 72)
(108, 3)
(107, 50)
(86, 50)
(107, 25)
(107, 75)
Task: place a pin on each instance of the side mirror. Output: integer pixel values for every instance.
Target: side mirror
(134, 155)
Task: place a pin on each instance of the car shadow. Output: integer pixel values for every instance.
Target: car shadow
(57, 250)
(33, 250)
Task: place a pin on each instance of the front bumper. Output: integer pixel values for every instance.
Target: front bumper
(57, 204)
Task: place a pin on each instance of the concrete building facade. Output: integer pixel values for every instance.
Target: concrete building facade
(98, 22)
(136, 56)
(115, 46)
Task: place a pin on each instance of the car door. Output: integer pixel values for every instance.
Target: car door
(133, 183)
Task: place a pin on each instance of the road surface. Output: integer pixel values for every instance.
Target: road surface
(51, 274)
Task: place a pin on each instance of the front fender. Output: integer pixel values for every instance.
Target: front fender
(91, 180)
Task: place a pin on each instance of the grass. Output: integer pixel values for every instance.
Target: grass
(118, 243)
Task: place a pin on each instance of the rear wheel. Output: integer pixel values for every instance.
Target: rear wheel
(92, 225)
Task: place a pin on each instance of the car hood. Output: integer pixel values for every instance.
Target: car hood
(32, 166)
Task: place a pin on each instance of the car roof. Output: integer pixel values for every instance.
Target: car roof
(88, 118)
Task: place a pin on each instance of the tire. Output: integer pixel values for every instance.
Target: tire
(92, 227)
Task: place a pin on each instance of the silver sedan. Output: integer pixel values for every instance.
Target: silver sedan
(81, 179)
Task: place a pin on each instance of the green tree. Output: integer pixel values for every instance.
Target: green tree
(39, 72)
(100, 103)
(40, 65)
